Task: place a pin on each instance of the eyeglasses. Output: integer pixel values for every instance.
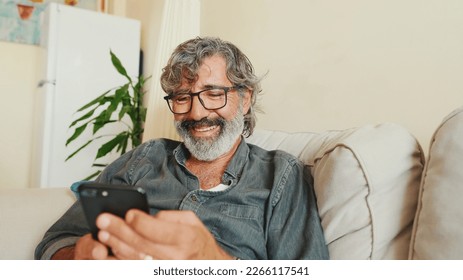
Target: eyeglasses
(211, 99)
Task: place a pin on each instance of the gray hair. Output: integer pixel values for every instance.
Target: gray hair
(188, 57)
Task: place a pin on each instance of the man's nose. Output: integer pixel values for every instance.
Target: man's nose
(198, 111)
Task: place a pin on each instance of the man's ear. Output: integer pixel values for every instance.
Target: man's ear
(247, 101)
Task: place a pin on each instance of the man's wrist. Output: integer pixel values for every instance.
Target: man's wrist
(66, 253)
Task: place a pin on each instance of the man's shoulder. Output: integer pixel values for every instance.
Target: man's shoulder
(157, 145)
(271, 155)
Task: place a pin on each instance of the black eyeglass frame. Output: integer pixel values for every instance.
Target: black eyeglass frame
(193, 94)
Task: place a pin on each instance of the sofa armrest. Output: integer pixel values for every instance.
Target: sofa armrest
(438, 230)
(25, 215)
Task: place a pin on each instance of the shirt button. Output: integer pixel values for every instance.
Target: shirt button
(194, 198)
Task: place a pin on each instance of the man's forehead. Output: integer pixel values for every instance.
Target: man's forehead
(211, 72)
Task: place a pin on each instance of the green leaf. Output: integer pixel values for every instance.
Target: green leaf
(123, 111)
(94, 101)
(99, 165)
(140, 83)
(120, 93)
(118, 65)
(110, 145)
(97, 125)
(78, 150)
(78, 131)
(136, 140)
(86, 116)
(124, 145)
(107, 99)
(101, 120)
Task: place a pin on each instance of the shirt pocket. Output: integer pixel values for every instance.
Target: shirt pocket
(247, 212)
(240, 227)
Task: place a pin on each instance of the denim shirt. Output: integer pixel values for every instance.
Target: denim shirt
(268, 212)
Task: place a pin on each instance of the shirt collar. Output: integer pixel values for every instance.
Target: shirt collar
(234, 168)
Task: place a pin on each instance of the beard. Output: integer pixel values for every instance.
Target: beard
(210, 148)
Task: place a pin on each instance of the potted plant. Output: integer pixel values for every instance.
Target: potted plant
(110, 107)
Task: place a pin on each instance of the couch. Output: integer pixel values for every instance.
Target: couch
(377, 196)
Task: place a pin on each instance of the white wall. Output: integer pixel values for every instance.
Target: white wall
(17, 88)
(339, 64)
(149, 13)
(331, 65)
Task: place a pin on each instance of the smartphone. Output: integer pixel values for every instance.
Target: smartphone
(97, 198)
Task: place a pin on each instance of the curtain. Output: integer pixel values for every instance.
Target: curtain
(180, 22)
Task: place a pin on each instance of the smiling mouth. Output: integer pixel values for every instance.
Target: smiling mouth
(205, 128)
(204, 125)
(202, 130)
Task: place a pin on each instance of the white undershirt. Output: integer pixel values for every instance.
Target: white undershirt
(219, 188)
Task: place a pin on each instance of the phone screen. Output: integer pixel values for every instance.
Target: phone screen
(97, 198)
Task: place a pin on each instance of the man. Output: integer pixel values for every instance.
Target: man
(213, 196)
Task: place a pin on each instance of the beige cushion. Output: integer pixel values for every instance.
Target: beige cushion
(366, 181)
(438, 229)
(25, 215)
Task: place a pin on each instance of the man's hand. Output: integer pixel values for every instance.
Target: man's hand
(167, 235)
(89, 249)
